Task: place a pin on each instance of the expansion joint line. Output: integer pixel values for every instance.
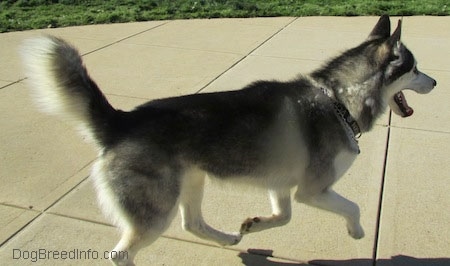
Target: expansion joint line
(125, 38)
(247, 55)
(380, 201)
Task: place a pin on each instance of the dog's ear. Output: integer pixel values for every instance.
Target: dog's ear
(395, 44)
(382, 29)
(394, 40)
(391, 48)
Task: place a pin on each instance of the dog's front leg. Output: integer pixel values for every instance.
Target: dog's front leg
(281, 213)
(331, 201)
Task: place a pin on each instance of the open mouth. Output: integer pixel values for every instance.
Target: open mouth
(400, 100)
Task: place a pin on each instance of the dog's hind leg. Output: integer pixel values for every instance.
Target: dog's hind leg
(140, 228)
(141, 204)
(281, 213)
(191, 214)
(138, 232)
(131, 241)
(331, 201)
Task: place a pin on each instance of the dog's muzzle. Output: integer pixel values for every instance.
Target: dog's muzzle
(404, 110)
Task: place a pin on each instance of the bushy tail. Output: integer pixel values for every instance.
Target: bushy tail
(61, 86)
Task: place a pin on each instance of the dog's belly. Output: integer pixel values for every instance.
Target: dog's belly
(279, 170)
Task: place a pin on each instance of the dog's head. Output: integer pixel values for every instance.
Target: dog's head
(400, 67)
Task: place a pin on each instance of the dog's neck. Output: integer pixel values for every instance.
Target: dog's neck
(360, 99)
(342, 112)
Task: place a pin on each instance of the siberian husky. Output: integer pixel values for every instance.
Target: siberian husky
(276, 135)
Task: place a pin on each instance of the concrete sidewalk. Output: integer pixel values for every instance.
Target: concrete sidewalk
(401, 180)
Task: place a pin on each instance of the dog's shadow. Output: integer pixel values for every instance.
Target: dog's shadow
(262, 257)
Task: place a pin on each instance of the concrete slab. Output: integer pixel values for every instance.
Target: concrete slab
(220, 35)
(11, 69)
(414, 216)
(85, 38)
(301, 40)
(49, 234)
(426, 26)
(4, 83)
(81, 203)
(154, 72)
(175, 252)
(362, 24)
(34, 171)
(431, 110)
(428, 39)
(107, 33)
(13, 219)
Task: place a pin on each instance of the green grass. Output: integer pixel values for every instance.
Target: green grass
(33, 14)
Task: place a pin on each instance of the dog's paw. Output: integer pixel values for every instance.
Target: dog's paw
(356, 231)
(232, 239)
(237, 237)
(120, 261)
(248, 223)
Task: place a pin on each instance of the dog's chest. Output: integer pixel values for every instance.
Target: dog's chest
(342, 162)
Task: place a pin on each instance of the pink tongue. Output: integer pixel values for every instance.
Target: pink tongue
(400, 100)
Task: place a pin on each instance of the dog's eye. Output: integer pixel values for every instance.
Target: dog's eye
(415, 71)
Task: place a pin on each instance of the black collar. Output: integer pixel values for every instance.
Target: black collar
(343, 113)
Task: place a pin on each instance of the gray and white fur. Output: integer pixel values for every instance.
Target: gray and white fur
(275, 135)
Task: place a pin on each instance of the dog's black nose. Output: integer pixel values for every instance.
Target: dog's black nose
(434, 83)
